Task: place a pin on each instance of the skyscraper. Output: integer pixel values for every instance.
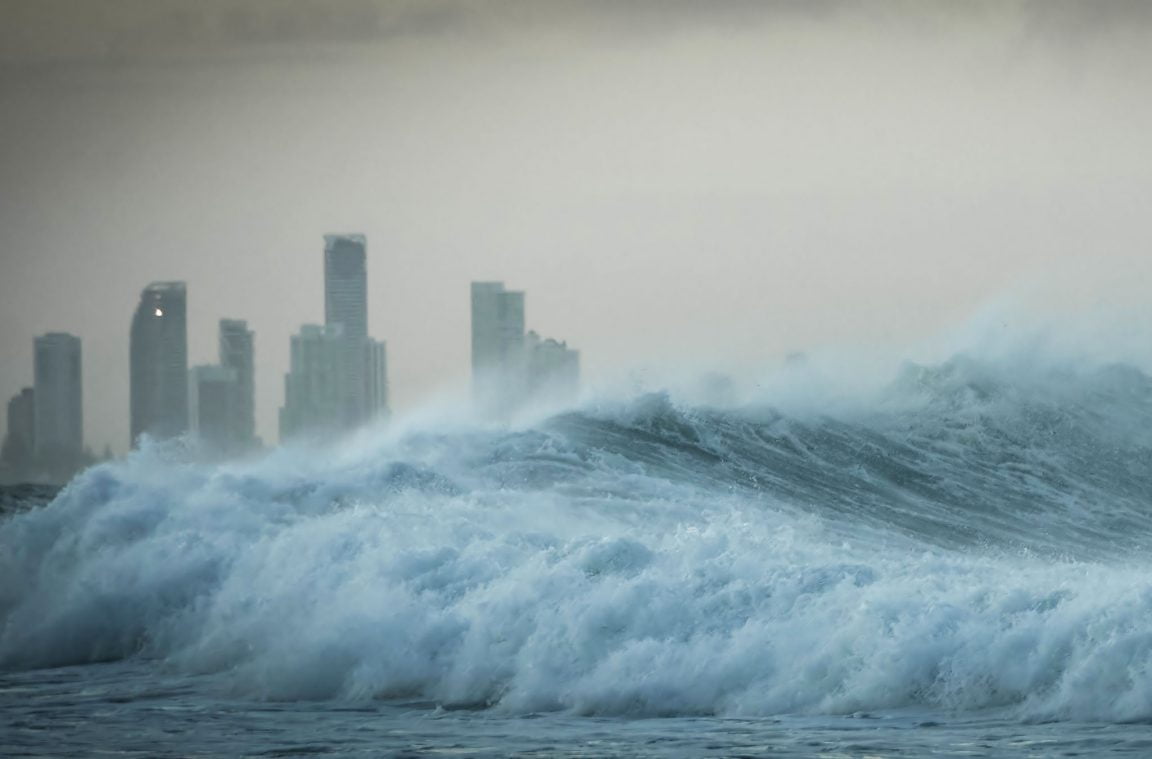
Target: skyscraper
(338, 377)
(159, 362)
(212, 409)
(497, 325)
(19, 443)
(376, 377)
(237, 352)
(346, 308)
(346, 284)
(314, 386)
(497, 345)
(59, 414)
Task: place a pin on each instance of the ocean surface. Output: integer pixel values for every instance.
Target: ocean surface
(954, 564)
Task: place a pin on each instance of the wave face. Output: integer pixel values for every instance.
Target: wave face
(972, 537)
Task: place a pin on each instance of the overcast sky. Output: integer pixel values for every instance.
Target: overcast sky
(704, 182)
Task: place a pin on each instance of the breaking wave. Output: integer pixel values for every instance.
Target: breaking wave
(973, 536)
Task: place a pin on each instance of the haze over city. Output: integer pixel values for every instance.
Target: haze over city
(655, 378)
(671, 183)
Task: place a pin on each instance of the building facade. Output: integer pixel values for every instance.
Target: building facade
(338, 378)
(238, 353)
(553, 369)
(59, 410)
(497, 346)
(213, 403)
(346, 309)
(18, 450)
(376, 378)
(159, 362)
(314, 400)
(346, 284)
(510, 366)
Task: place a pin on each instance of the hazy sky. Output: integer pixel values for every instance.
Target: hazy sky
(704, 182)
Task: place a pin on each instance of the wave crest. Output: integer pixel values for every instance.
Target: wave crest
(968, 540)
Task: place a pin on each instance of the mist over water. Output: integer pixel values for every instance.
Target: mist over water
(967, 535)
(662, 178)
(874, 548)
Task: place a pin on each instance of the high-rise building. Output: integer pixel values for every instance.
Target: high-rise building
(346, 284)
(497, 345)
(497, 326)
(553, 369)
(59, 415)
(159, 362)
(20, 441)
(212, 408)
(346, 307)
(237, 352)
(376, 377)
(314, 400)
(338, 378)
(510, 366)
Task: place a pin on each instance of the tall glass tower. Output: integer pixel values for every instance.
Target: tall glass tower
(497, 326)
(346, 284)
(159, 362)
(497, 345)
(59, 414)
(237, 352)
(346, 310)
(338, 378)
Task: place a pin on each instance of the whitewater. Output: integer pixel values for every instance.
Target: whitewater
(955, 563)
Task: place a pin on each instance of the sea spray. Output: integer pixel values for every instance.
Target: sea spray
(974, 537)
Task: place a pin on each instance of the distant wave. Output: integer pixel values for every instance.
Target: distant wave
(25, 496)
(973, 536)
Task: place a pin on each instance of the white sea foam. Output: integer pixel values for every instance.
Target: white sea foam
(966, 550)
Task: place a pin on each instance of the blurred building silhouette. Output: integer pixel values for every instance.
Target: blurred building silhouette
(497, 346)
(213, 402)
(346, 307)
(238, 353)
(159, 362)
(221, 408)
(20, 441)
(314, 385)
(59, 413)
(553, 369)
(338, 375)
(346, 284)
(45, 439)
(375, 378)
(510, 366)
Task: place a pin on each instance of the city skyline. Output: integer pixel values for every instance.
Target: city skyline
(337, 379)
(44, 439)
(195, 359)
(575, 377)
(707, 186)
(512, 365)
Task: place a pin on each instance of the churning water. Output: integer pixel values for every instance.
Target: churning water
(958, 565)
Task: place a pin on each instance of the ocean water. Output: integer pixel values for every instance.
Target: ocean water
(956, 564)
